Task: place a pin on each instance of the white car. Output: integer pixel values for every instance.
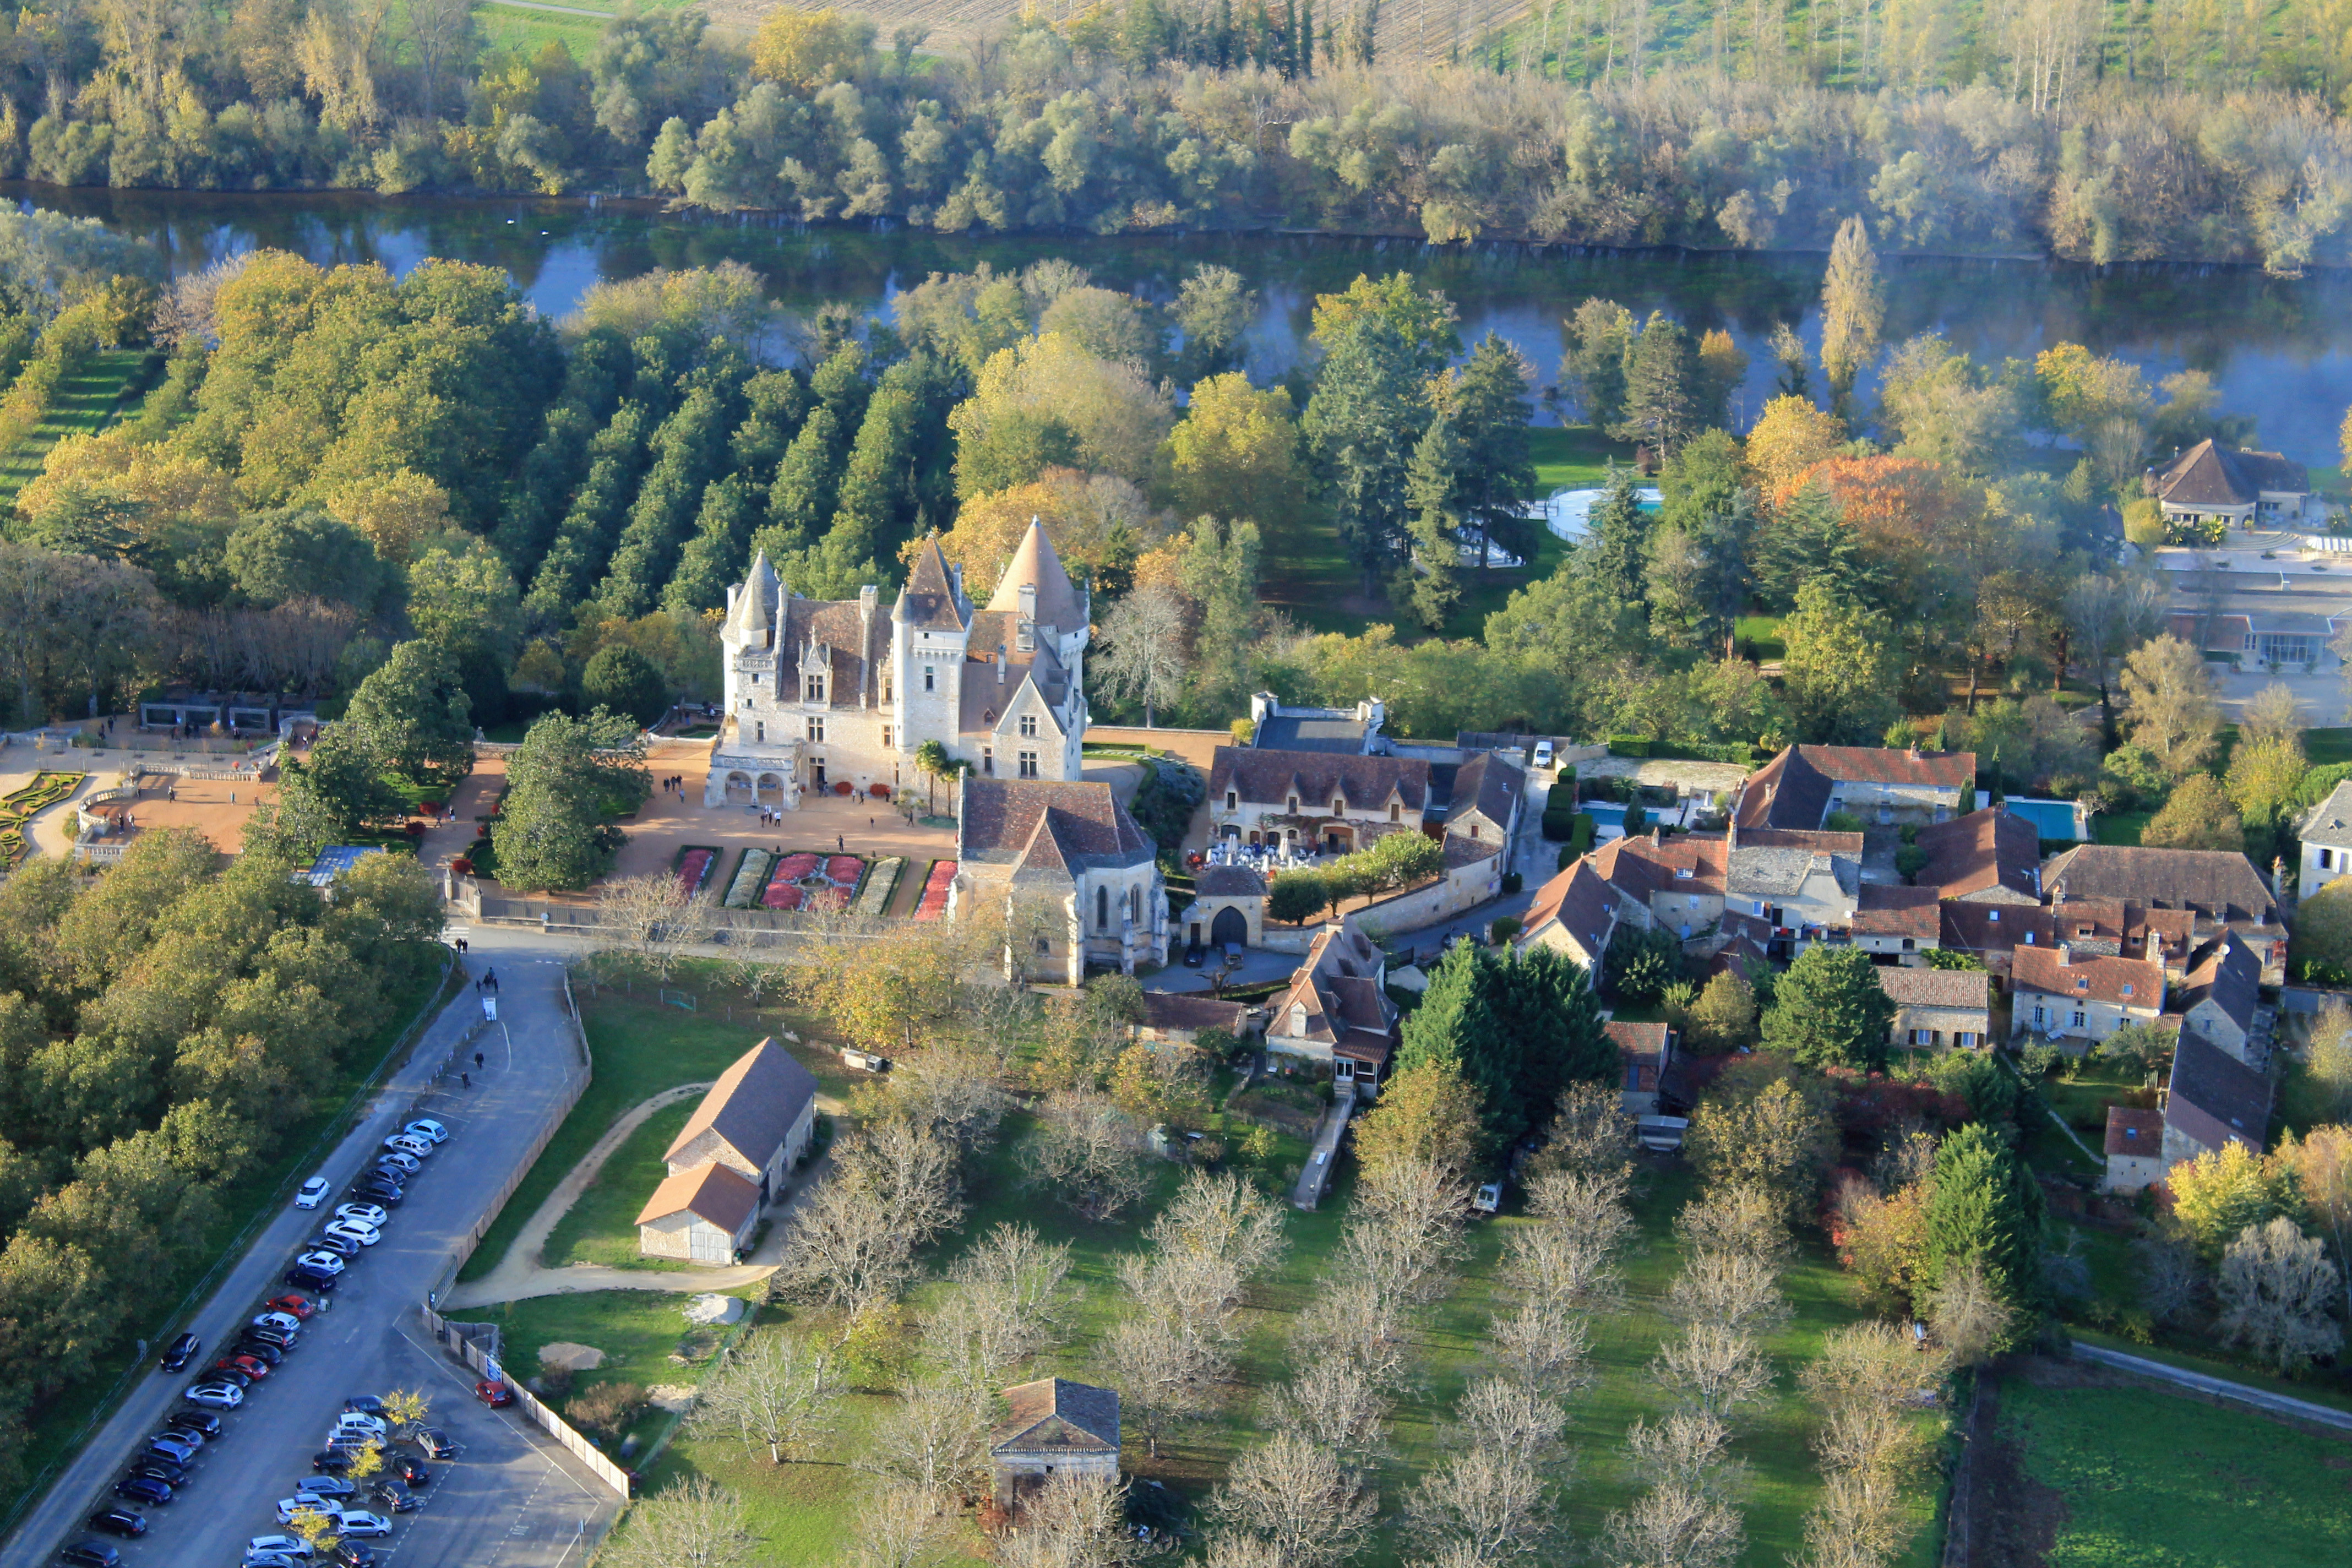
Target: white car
(286, 1545)
(314, 1193)
(424, 1127)
(405, 1143)
(1543, 754)
(284, 1323)
(301, 1502)
(368, 1426)
(360, 1524)
(353, 1230)
(400, 1159)
(368, 1215)
(215, 1396)
(323, 1261)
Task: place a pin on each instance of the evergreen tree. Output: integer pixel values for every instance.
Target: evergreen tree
(1362, 424)
(1497, 474)
(1661, 396)
(564, 782)
(1433, 486)
(690, 451)
(1615, 553)
(584, 541)
(1829, 1010)
(1983, 1207)
(808, 480)
(720, 551)
(1516, 1027)
(624, 682)
(413, 717)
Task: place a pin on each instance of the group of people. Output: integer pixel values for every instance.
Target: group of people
(674, 784)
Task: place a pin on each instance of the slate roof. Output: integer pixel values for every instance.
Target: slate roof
(1035, 564)
(1970, 989)
(752, 1105)
(1342, 734)
(2220, 884)
(986, 703)
(1339, 986)
(1488, 785)
(1270, 778)
(1781, 872)
(1229, 882)
(2228, 974)
(1983, 853)
(1054, 1413)
(710, 1191)
(2210, 473)
(929, 602)
(1047, 825)
(1883, 910)
(2134, 1133)
(2087, 978)
(2214, 1096)
(1793, 789)
(2329, 822)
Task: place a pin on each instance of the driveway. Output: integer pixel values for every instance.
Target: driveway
(513, 1498)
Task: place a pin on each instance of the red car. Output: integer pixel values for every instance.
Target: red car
(297, 1306)
(253, 1366)
(493, 1395)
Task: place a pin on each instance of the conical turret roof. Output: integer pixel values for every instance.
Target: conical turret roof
(1035, 564)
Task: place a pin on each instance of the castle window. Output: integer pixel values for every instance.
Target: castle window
(886, 687)
(1029, 725)
(885, 737)
(988, 762)
(816, 731)
(1102, 908)
(927, 678)
(1028, 765)
(760, 733)
(813, 688)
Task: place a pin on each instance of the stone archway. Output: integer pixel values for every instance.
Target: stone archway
(1230, 928)
(735, 789)
(766, 780)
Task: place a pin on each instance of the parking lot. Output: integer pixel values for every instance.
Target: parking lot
(510, 1497)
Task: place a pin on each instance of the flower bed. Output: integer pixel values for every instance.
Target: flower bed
(694, 865)
(934, 903)
(46, 790)
(12, 846)
(805, 881)
(750, 876)
(879, 885)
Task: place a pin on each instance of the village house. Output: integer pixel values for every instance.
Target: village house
(1984, 857)
(1481, 800)
(840, 694)
(1228, 908)
(2135, 1149)
(1645, 1053)
(1574, 914)
(1994, 933)
(2325, 831)
(1181, 1018)
(2220, 998)
(1803, 784)
(1903, 925)
(2237, 488)
(1070, 850)
(2220, 887)
(1052, 1427)
(2212, 1099)
(1789, 889)
(1938, 1009)
(2064, 997)
(732, 1158)
(1674, 884)
(1336, 1012)
(1315, 800)
(2113, 927)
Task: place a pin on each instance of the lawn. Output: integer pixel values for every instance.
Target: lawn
(2327, 747)
(2119, 826)
(639, 1330)
(2150, 1478)
(87, 401)
(527, 31)
(602, 1227)
(641, 1048)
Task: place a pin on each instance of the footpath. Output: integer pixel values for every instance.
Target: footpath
(2220, 1388)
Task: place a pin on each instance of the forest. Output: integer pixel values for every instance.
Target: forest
(2101, 133)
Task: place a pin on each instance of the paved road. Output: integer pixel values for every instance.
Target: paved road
(513, 1499)
(2260, 1398)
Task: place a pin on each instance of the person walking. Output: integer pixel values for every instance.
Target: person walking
(466, 1078)
(478, 1061)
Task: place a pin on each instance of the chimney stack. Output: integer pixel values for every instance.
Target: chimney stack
(2065, 954)
(1000, 664)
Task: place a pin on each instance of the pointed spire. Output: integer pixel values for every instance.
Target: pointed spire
(929, 599)
(1035, 565)
(749, 621)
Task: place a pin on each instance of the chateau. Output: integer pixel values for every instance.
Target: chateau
(839, 694)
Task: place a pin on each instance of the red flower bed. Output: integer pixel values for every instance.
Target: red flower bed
(935, 891)
(690, 870)
(841, 870)
(792, 867)
(782, 896)
(879, 792)
(845, 787)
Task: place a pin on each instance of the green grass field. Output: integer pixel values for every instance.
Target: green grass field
(639, 1330)
(2327, 747)
(602, 1227)
(87, 402)
(2119, 826)
(2150, 1479)
(527, 31)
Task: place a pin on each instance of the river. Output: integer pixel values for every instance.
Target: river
(2280, 349)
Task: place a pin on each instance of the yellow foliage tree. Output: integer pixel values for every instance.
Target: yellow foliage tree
(1099, 523)
(1427, 1112)
(1112, 409)
(170, 484)
(397, 511)
(1235, 456)
(2224, 1190)
(1791, 437)
(809, 48)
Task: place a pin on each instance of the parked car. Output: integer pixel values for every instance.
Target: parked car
(1195, 956)
(368, 1215)
(118, 1522)
(332, 1461)
(1233, 954)
(399, 1160)
(361, 1523)
(342, 1246)
(415, 1472)
(404, 1143)
(313, 1279)
(215, 1395)
(354, 1421)
(157, 1469)
(314, 1193)
(1543, 757)
(90, 1554)
(252, 1366)
(364, 1405)
(321, 1261)
(293, 1304)
(167, 1459)
(433, 1443)
(305, 1502)
(143, 1488)
(323, 1487)
(201, 1423)
(351, 1555)
(392, 1494)
(352, 1441)
(354, 1231)
(235, 1377)
(277, 1340)
(283, 1321)
(272, 1560)
(494, 1395)
(1489, 1199)
(424, 1127)
(181, 1352)
(291, 1545)
(178, 1446)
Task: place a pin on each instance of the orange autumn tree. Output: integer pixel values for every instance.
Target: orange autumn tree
(1099, 523)
(1904, 509)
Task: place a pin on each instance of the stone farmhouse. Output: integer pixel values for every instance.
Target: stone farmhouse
(1052, 1427)
(732, 1158)
(1069, 848)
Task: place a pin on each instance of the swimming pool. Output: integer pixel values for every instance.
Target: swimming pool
(2051, 818)
(1608, 820)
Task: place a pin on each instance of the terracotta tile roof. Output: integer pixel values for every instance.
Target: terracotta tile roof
(1638, 865)
(1265, 778)
(1229, 882)
(711, 1192)
(1637, 1038)
(1811, 839)
(1985, 852)
(2124, 982)
(1883, 910)
(2220, 884)
(1035, 564)
(1994, 929)
(2136, 1132)
(1883, 764)
(1054, 1413)
(752, 1105)
(1580, 901)
(2213, 1097)
(2210, 473)
(1339, 986)
(1970, 989)
(2111, 925)
(2228, 974)
(1190, 1010)
(1046, 825)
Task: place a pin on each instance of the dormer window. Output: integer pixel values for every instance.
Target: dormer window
(1473, 830)
(813, 688)
(1682, 873)
(1232, 800)
(1294, 805)
(1297, 1019)
(1396, 811)
(1338, 806)
(2127, 990)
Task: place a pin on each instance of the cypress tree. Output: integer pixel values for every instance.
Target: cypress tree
(1984, 1209)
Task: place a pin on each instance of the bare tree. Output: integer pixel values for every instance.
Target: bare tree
(1165, 1376)
(1360, 1322)
(1590, 1134)
(697, 1525)
(1688, 1446)
(1143, 655)
(1508, 1418)
(957, 1090)
(1717, 1369)
(935, 1442)
(190, 308)
(439, 30)
(1545, 1347)
(1969, 1318)
(1736, 1290)
(1406, 1232)
(1088, 1152)
(1736, 1217)
(1008, 1304)
(1333, 1405)
(779, 1390)
(1222, 1217)
(1590, 1202)
(843, 1251)
(909, 1172)
(1294, 1495)
(649, 917)
(1673, 1525)
(2109, 612)
(1480, 1506)
(1072, 1522)
(901, 1527)
(2171, 1280)
(1852, 1526)
(2278, 1294)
